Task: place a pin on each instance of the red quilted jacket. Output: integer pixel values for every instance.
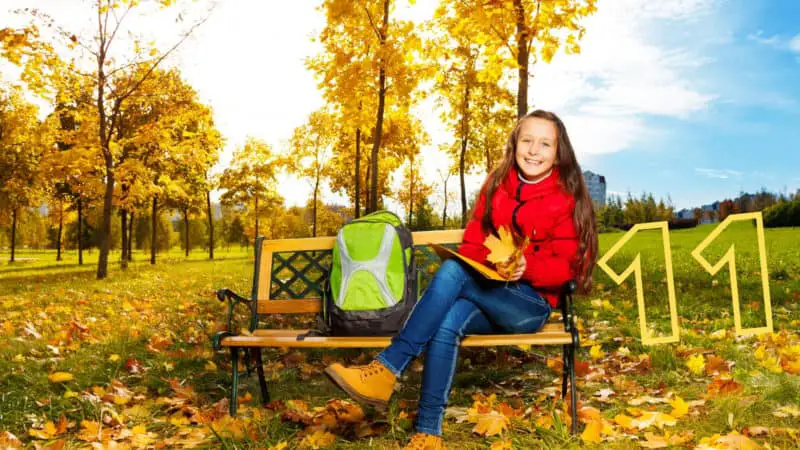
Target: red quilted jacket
(542, 211)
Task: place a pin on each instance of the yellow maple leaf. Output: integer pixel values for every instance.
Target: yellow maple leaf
(47, 432)
(696, 364)
(60, 377)
(210, 366)
(624, 421)
(491, 424)
(279, 446)
(592, 431)
(596, 352)
(500, 250)
(654, 441)
(679, 407)
(501, 445)
(771, 363)
(319, 439)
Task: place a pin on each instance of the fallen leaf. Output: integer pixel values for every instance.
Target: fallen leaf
(654, 441)
(501, 445)
(787, 411)
(596, 352)
(679, 407)
(317, 440)
(60, 377)
(592, 432)
(491, 424)
(696, 364)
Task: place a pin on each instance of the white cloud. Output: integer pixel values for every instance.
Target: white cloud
(721, 174)
(622, 76)
(759, 37)
(794, 44)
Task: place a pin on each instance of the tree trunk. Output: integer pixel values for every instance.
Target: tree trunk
(368, 189)
(186, 230)
(256, 235)
(13, 235)
(130, 237)
(376, 144)
(462, 157)
(444, 212)
(105, 231)
(410, 190)
(358, 173)
(153, 223)
(80, 231)
(314, 209)
(60, 229)
(210, 226)
(522, 59)
(124, 222)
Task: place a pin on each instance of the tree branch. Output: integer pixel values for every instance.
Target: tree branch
(161, 58)
(372, 23)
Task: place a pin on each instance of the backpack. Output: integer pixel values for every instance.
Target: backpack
(372, 284)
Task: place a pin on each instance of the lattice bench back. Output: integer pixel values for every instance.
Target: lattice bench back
(289, 273)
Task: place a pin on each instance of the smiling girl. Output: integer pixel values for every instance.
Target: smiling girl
(537, 191)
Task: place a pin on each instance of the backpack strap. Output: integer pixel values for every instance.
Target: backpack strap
(323, 327)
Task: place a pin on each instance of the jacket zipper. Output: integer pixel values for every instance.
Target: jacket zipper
(516, 209)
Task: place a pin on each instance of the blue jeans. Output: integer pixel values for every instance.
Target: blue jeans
(455, 304)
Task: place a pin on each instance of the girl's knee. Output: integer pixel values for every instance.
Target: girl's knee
(452, 269)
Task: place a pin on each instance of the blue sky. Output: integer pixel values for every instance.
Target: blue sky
(746, 134)
(693, 99)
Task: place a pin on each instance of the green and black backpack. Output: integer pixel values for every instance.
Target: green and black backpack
(372, 284)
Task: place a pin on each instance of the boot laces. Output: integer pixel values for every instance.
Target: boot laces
(371, 369)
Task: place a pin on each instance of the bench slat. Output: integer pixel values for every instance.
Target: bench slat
(488, 340)
(550, 327)
(551, 333)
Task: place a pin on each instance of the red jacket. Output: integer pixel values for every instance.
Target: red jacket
(542, 211)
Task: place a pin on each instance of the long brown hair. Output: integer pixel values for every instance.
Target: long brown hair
(571, 178)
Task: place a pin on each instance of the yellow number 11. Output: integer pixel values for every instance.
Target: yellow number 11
(635, 268)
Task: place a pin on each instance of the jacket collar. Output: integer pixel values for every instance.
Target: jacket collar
(548, 185)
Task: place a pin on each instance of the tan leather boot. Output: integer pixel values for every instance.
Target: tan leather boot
(372, 384)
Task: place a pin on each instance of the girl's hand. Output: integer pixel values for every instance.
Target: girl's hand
(504, 269)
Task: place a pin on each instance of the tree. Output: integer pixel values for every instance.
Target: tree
(250, 179)
(414, 190)
(368, 61)
(111, 78)
(517, 33)
(444, 178)
(311, 152)
(22, 142)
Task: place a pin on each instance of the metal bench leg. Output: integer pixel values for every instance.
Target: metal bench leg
(262, 382)
(573, 391)
(235, 383)
(565, 372)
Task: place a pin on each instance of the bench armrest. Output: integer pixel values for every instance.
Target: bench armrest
(235, 299)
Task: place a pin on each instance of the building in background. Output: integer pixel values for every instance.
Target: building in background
(596, 184)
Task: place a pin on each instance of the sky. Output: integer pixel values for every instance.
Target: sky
(695, 100)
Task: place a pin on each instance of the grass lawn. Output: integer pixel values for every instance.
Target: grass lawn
(127, 362)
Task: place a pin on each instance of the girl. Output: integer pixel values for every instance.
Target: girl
(537, 191)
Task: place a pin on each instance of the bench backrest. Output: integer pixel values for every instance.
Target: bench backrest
(289, 273)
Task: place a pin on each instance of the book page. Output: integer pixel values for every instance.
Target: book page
(445, 253)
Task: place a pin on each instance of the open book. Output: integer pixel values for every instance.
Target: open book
(445, 253)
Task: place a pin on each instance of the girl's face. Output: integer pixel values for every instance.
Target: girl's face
(537, 148)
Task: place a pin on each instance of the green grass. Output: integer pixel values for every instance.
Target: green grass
(175, 299)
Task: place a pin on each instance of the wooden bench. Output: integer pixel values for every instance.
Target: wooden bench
(282, 284)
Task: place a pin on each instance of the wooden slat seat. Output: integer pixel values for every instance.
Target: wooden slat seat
(550, 334)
